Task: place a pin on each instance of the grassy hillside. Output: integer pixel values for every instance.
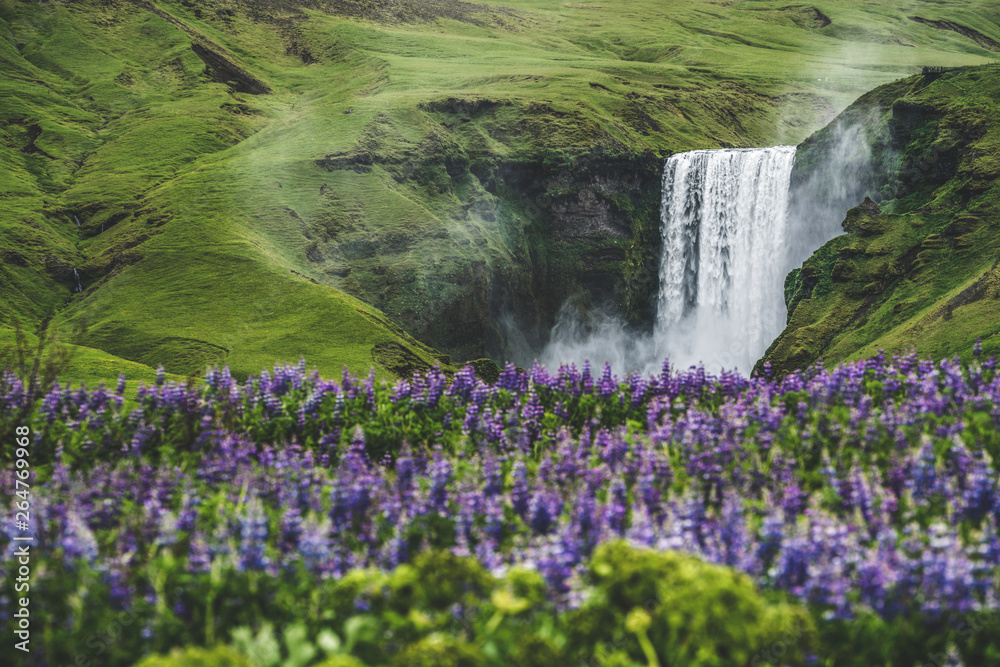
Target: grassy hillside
(918, 270)
(86, 366)
(233, 181)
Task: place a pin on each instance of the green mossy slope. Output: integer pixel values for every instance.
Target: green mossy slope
(87, 366)
(228, 181)
(921, 269)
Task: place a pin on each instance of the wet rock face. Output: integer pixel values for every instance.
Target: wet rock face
(59, 268)
(590, 213)
(524, 237)
(593, 238)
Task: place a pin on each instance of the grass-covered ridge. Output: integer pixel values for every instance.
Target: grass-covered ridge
(918, 270)
(241, 170)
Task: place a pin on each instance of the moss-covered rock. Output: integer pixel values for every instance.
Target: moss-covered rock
(487, 370)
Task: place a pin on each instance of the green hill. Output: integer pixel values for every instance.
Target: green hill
(918, 270)
(250, 181)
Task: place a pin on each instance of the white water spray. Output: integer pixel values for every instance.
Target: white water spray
(721, 303)
(79, 285)
(77, 220)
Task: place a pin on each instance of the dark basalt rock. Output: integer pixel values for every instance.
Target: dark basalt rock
(13, 258)
(222, 70)
(396, 359)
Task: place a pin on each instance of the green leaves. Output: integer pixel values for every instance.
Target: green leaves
(668, 608)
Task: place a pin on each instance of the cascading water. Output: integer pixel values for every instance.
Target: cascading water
(723, 217)
(725, 255)
(79, 285)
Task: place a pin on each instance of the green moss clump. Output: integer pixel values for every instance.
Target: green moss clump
(438, 650)
(487, 370)
(341, 661)
(197, 657)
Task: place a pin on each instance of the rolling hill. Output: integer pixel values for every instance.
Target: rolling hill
(245, 182)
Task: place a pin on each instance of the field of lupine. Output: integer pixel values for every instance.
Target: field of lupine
(832, 517)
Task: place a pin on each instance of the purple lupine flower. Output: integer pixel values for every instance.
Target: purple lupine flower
(613, 448)
(544, 511)
(199, 555)
(616, 510)
(253, 536)
(771, 538)
(291, 529)
(314, 545)
(492, 476)
(980, 494)
(78, 541)
(650, 489)
(520, 494)
(404, 473)
(441, 477)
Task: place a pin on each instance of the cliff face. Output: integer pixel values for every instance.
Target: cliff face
(527, 236)
(917, 268)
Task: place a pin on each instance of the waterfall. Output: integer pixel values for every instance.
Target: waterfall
(77, 220)
(723, 221)
(79, 285)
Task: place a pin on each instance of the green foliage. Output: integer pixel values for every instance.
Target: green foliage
(342, 661)
(197, 657)
(37, 360)
(439, 650)
(687, 611)
(446, 579)
(265, 650)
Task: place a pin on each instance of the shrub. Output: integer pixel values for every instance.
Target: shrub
(197, 657)
(439, 650)
(686, 611)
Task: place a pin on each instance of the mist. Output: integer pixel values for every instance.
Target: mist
(839, 175)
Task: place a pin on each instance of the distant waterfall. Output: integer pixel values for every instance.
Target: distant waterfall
(723, 220)
(725, 256)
